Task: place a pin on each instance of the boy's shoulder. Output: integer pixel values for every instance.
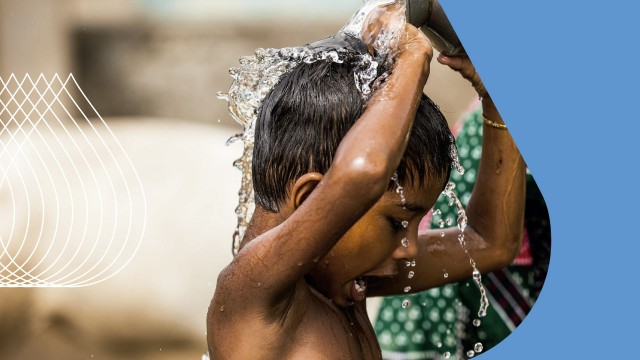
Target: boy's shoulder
(304, 325)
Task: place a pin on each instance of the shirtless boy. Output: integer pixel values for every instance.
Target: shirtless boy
(328, 227)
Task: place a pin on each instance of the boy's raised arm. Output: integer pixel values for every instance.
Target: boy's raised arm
(495, 211)
(270, 265)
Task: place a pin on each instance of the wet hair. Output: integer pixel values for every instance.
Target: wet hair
(305, 116)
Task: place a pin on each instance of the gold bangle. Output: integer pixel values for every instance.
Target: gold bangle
(494, 124)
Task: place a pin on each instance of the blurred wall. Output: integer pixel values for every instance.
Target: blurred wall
(169, 58)
(34, 36)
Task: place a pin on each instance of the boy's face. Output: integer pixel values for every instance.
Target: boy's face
(373, 247)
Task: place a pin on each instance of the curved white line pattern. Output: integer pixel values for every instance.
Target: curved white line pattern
(72, 207)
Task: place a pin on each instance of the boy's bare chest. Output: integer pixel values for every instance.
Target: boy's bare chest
(326, 331)
(312, 328)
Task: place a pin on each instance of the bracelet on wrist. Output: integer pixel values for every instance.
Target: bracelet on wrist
(494, 124)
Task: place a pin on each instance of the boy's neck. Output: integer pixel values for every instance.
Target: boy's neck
(261, 222)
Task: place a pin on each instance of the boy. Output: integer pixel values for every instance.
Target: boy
(329, 228)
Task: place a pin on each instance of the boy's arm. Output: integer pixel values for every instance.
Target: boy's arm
(268, 268)
(495, 211)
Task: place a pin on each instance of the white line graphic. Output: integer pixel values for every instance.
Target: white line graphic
(72, 207)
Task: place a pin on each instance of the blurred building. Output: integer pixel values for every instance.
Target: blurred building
(168, 58)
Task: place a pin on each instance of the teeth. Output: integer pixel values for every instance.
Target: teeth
(360, 285)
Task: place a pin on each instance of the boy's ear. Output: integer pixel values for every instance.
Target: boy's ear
(303, 188)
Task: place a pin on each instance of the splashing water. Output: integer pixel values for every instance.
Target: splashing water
(399, 189)
(453, 154)
(405, 241)
(259, 73)
(252, 82)
(462, 225)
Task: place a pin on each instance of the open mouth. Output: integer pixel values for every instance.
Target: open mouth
(359, 289)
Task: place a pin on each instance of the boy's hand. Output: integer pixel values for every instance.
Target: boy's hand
(463, 65)
(381, 18)
(415, 41)
(391, 19)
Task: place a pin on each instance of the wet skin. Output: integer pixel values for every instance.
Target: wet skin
(323, 316)
(290, 293)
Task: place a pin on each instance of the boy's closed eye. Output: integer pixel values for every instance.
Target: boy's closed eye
(397, 225)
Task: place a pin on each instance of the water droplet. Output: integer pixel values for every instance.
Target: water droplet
(442, 234)
(449, 187)
(407, 263)
(407, 289)
(413, 263)
(476, 274)
(221, 308)
(471, 353)
(447, 355)
(411, 274)
(437, 212)
(405, 242)
(399, 188)
(405, 304)
(449, 221)
(453, 153)
(476, 322)
(405, 224)
(439, 344)
(441, 223)
(446, 275)
(478, 347)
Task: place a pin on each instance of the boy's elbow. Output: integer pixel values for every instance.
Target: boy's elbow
(506, 254)
(369, 174)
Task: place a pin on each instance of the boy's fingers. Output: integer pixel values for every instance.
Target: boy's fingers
(463, 65)
(414, 39)
(457, 63)
(453, 62)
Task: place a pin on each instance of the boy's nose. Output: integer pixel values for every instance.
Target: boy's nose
(407, 249)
